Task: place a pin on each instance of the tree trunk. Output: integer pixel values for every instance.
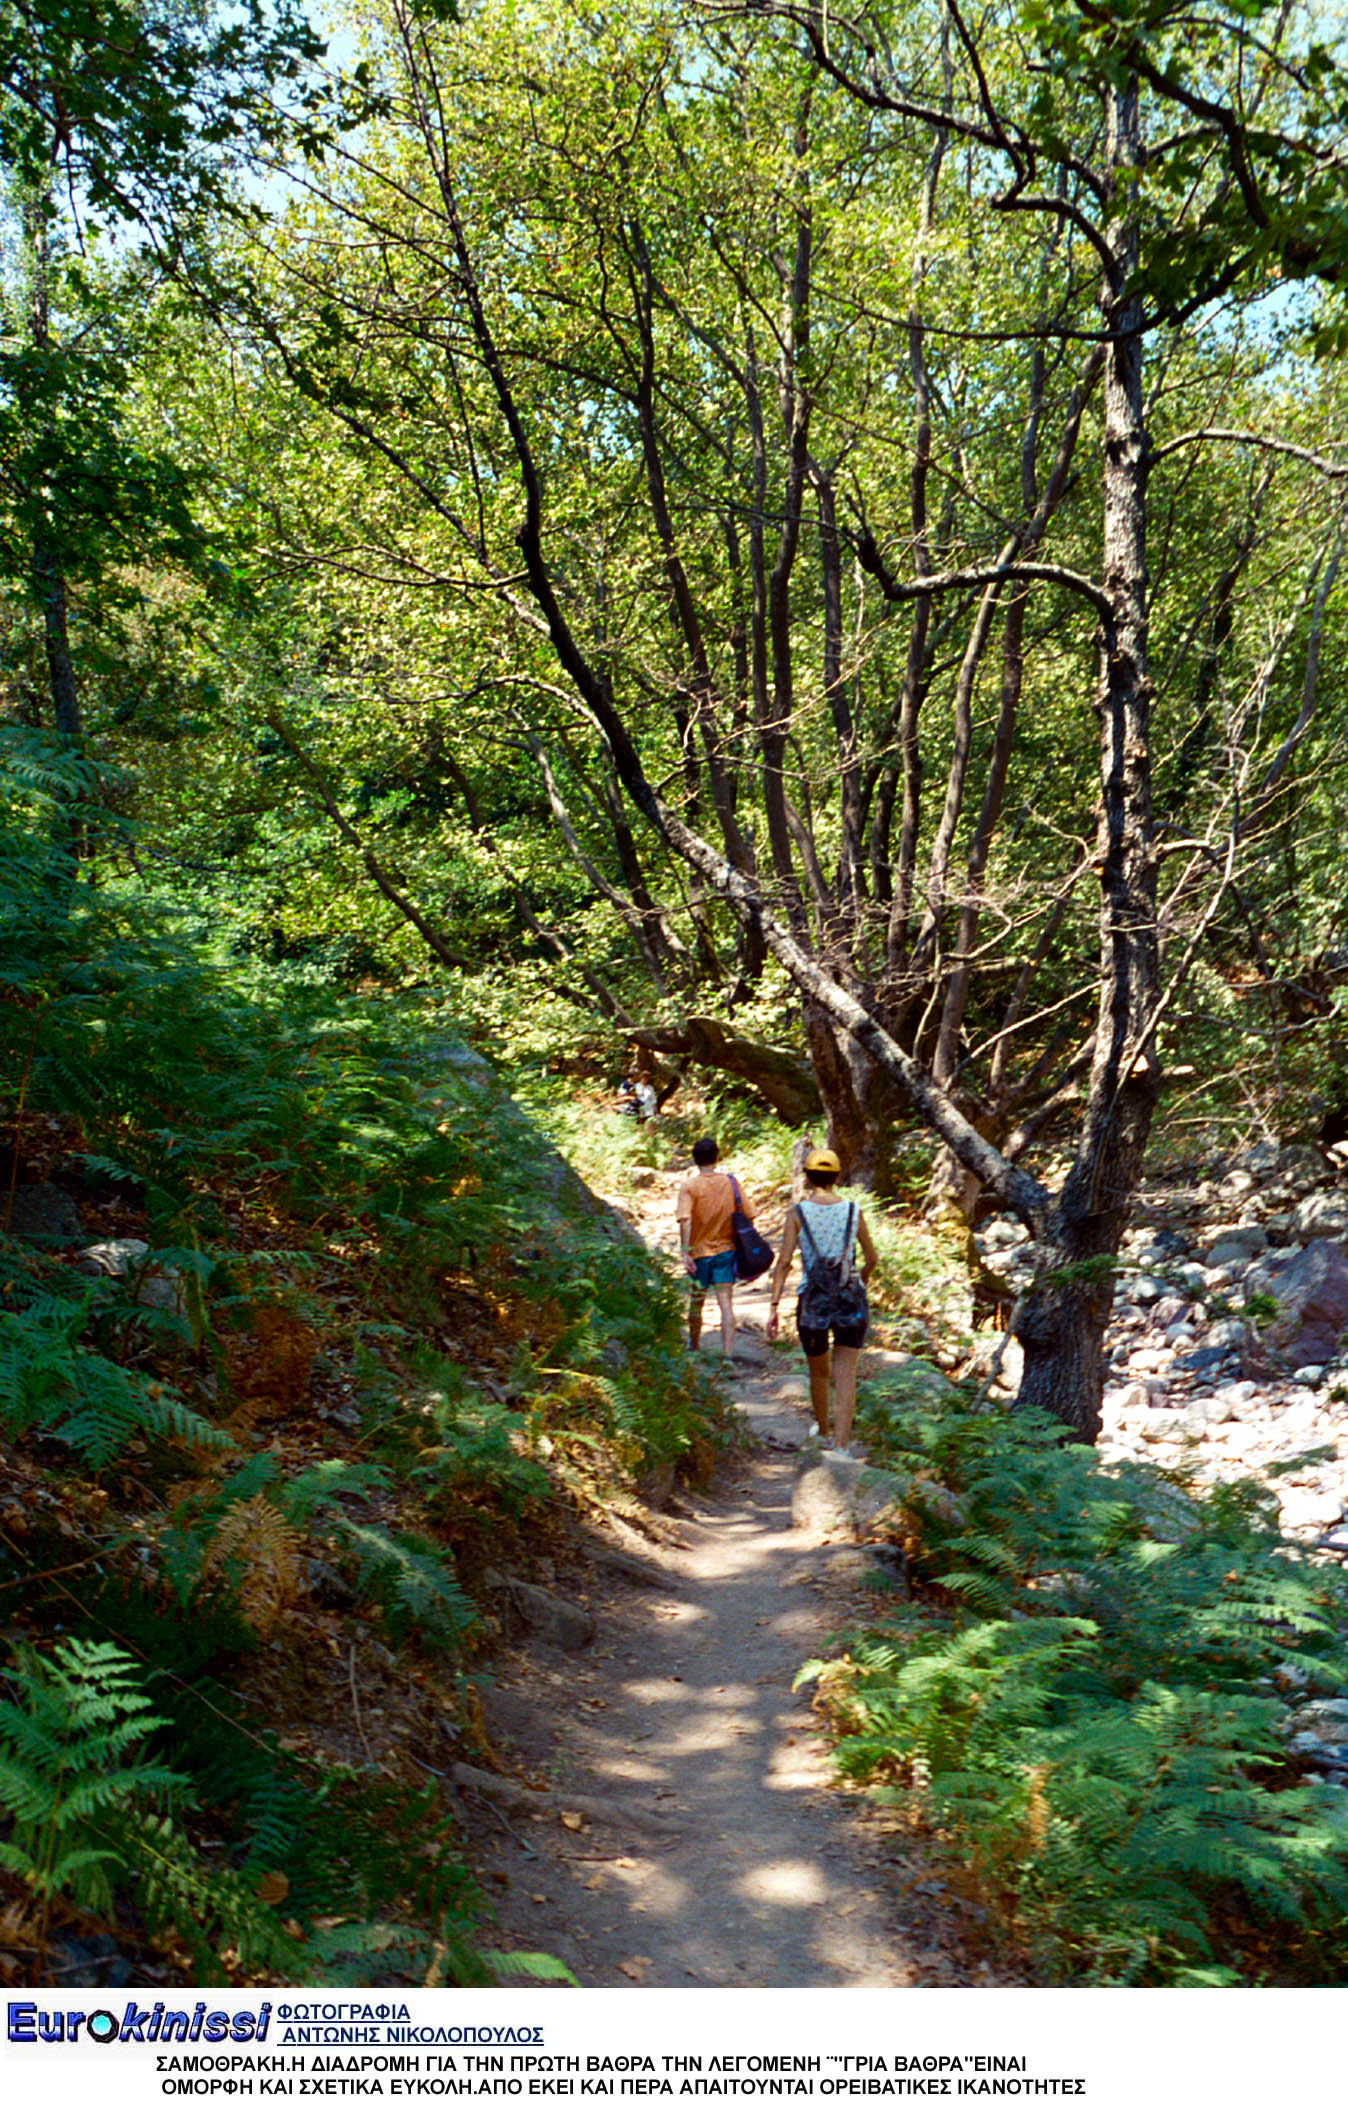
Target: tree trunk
(850, 1133)
(1062, 1332)
(782, 1080)
(631, 915)
(851, 884)
(48, 571)
(1062, 1325)
(50, 586)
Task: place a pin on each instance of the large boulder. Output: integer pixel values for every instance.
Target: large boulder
(1321, 1214)
(1236, 1246)
(1311, 1287)
(983, 1351)
(1168, 1513)
(1262, 1158)
(557, 1621)
(841, 1496)
(1301, 1164)
(42, 1214)
(127, 1258)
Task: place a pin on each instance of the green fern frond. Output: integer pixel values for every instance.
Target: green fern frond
(53, 1384)
(210, 1906)
(309, 1492)
(410, 1578)
(69, 1738)
(528, 1967)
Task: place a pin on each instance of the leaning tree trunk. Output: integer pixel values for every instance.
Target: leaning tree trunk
(1062, 1325)
(784, 937)
(782, 1080)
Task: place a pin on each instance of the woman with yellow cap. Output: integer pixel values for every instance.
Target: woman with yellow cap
(828, 1230)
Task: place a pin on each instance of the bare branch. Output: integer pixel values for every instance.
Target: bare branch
(1333, 469)
(900, 589)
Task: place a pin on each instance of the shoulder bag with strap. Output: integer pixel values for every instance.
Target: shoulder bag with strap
(833, 1292)
(753, 1253)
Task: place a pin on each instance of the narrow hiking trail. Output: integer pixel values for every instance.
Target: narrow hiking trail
(693, 1833)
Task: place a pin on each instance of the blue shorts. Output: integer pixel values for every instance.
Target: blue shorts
(715, 1272)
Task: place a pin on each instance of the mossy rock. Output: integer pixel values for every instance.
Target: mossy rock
(896, 1380)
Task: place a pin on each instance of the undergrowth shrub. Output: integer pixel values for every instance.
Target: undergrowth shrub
(1081, 1696)
(247, 1541)
(55, 1383)
(327, 1182)
(464, 1450)
(920, 1282)
(321, 1861)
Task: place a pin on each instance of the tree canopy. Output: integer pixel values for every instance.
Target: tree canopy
(833, 524)
(800, 553)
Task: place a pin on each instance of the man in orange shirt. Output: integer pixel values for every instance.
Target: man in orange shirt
(706, 1204)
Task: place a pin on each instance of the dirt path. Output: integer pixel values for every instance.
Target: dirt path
(732, 1859)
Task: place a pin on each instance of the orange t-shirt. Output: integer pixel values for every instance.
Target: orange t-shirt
(706, 1203)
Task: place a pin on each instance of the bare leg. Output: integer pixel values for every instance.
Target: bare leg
(844, 1392)
(695, 1321)
(818, 1367)
(725, 1296)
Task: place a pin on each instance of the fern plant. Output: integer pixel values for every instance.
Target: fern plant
(247, 1539)
(478, 1455)
(71, 1759)
(1081, 1694)
(412, 1581)
(54, 1384)
(213, 1909)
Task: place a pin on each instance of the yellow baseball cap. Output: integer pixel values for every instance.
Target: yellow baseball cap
(822, 1160)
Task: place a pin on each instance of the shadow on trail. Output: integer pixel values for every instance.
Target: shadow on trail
(763, 1882)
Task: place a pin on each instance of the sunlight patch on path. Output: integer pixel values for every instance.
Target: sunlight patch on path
(790, 1883)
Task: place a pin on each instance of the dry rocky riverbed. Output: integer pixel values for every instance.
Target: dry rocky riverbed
(1226, 1349)
(1229, 1359)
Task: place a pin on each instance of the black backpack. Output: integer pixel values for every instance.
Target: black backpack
(834, 1292)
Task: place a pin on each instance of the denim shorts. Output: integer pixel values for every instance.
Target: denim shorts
(815, 1342)
(714, 1272)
